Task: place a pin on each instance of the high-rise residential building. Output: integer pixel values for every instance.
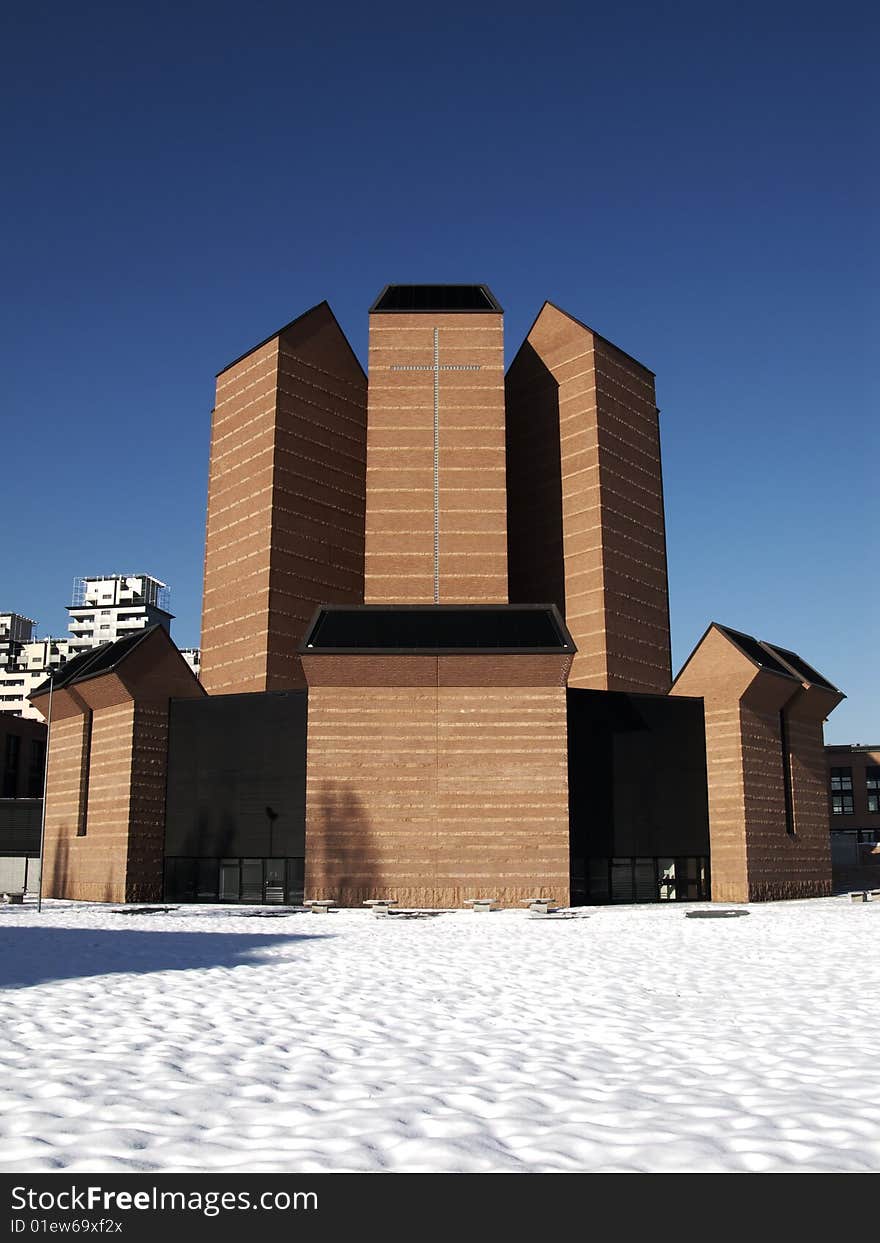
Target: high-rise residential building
(110, 606)
(193, 657)
(15, 631)
(105, 608)
(24, 661)
(27, 670)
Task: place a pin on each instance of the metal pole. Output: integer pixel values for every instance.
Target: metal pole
(45, 785)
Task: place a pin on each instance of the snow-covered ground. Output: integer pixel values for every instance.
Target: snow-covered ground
(631, 1038)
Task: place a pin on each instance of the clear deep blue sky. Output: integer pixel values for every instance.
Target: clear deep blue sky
(697, 182)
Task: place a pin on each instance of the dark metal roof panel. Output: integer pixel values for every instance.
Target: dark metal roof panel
(438, 628)
(454, 299)
(756, 651)
(98, 660)
(800, 666)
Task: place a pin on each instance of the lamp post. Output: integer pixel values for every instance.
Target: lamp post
(45, 786)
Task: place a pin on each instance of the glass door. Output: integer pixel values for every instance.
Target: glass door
(274, 887)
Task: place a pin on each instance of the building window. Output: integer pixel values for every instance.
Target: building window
(786, 773)
(841, 780)
(10, 766)
(37, 768)
(263, 881)
(842, 805)
(872, 787)
(648, 879)
(85, 776)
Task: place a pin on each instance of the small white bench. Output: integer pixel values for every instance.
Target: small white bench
(319, 906)
(541, 906)
(380, 906)
(482, 904)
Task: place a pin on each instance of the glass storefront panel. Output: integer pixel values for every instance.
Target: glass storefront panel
(207, 873)
(642, 879)
(230, 880)
(270, 881)
(666, 878)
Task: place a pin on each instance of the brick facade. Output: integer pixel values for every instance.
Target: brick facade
(400, 460)
(855, 827)
(105, 808)
(433, 776)
(436, 793)
(585, 500)
(285, 528)
(758, 722)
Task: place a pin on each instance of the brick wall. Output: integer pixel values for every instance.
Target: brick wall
(604, 555)
(146, 837)
(754, 857)
(65, 793)
(400, 461)
(285, 527)
(107, 762)
(799, 866)
(435, 794)
(718, 674)
(239, 523)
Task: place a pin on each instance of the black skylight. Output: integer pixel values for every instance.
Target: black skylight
(438, 628)
(753, 649)
(800, 666)
(74, 667)
(435, 298)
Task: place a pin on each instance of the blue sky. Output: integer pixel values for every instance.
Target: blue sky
(697, 182)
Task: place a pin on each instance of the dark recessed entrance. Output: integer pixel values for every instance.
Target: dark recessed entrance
(272, 882)
(639, 879)
(235, 821)
(638, 798)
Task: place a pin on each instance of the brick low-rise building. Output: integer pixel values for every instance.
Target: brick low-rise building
(853, 789)
(435, 646)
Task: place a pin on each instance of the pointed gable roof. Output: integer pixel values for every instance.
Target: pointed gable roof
(122, 657)
(767, 658)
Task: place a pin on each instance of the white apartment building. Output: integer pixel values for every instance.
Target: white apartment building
(104, 608)
(111, 606)
(27, 670)
(15, 631)
(193, 657)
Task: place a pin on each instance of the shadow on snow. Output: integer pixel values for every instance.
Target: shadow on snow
(30, 955)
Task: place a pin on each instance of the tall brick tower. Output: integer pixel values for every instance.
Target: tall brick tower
(436, 513)
(437, 762)
(285, 525)
(585, 501)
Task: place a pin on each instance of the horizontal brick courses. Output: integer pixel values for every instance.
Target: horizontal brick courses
(400, 460)
(754, 856)
(105, 803)
(436, 794)
(586, 501)
(285, 527)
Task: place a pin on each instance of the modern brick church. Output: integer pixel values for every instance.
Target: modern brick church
(435, 651)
